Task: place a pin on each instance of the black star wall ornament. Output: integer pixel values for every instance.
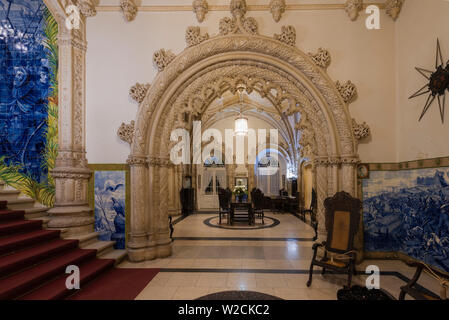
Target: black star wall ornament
(438, 83)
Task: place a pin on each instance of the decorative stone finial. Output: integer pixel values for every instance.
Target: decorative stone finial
(194, 37)
(238, 24)
(201, 8)
(352, 8)
(139, 91)
(129, 9)
(287, 36)
(162, 58)
(238, 8)
(277, 8)
(126, 132)
(322, 58)
(393, 8)
(348, 91)
(87, 8)
(361, 131)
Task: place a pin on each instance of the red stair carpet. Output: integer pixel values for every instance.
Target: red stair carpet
(33, 263)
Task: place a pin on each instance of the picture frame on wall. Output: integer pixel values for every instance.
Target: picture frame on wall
(363, 171)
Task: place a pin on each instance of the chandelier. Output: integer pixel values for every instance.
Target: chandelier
(241, 123)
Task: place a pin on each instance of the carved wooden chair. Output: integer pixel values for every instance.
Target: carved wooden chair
(224, 205)
(312, 211)
(257, 198)
(420, 293)
(342, 221)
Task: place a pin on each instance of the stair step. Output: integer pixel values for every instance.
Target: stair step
(8, 215)
(117, 255)
(36, 212)
(21, 241)
(19, 283)
(100, 246)
(86, 239)
(9, 194)
(11, 227)
(21, 203)
(57, 289)
(28, 257)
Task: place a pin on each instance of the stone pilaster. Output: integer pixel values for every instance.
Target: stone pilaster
(71, 211)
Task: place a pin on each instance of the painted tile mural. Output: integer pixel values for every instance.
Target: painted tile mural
(408, 211)
(110, 199)
(28, 96)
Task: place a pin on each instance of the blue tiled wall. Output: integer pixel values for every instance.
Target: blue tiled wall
(24, 85)
(408, 211)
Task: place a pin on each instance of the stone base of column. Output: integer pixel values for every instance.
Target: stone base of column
(72, 220)
(140, 251)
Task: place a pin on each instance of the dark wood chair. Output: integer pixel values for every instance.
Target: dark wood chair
(257, 198)
(418, 292)
(224, 205)
(342, 221)
(312, 211)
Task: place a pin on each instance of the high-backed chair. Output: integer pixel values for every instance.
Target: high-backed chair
(420, 293)
(257, 198)
(224, 205)
(342, 221)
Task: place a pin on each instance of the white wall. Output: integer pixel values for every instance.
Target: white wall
(417, 30)
(120, 54)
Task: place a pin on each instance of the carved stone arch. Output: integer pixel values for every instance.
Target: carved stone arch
(237, 56)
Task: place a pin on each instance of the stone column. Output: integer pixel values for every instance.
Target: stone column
(71, 211)
(138, 229)
(348, 168)
(163, 241)
(320, 168)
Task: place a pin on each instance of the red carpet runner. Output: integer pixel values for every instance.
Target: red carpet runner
(33, 263)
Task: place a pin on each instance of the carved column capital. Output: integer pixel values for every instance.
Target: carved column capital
(136, 161)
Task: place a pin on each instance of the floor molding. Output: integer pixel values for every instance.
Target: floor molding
(242, 239)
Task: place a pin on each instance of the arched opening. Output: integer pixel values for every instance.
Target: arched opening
(303, 95)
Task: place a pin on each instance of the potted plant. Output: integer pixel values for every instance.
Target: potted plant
(241, 193)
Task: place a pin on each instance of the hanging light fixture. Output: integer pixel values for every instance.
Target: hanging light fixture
(241, 123)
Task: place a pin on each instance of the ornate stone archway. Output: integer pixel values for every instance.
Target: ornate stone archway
(292, 80)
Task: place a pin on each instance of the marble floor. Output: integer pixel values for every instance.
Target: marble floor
(274, 261)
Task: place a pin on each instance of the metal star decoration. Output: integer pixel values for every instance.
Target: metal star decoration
(438, 83)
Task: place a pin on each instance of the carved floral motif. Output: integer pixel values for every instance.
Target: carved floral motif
(238, 23)
(139, 91)
(277, 8)
(129, 9)
(87, 8)
(348, 91)
(201, 8)
(162, 58)
(288, 35)
(194, 37)
(393, 8)
(126, 132)
(361, 131)
(352, 8)
(322, 58)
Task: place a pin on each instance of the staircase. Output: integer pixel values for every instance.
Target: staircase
(33, 260)
(36, 211)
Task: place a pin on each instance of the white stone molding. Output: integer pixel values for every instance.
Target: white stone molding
(277, 9)
(200, 8)
(194, 36)
(129, 9)
(353, 8)
(126, 132)
(288, 35)
(322, 58)
(138, 91)
(162, 58)
(361, 131)
(348, 91)
(87, 8)
(393, 8)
